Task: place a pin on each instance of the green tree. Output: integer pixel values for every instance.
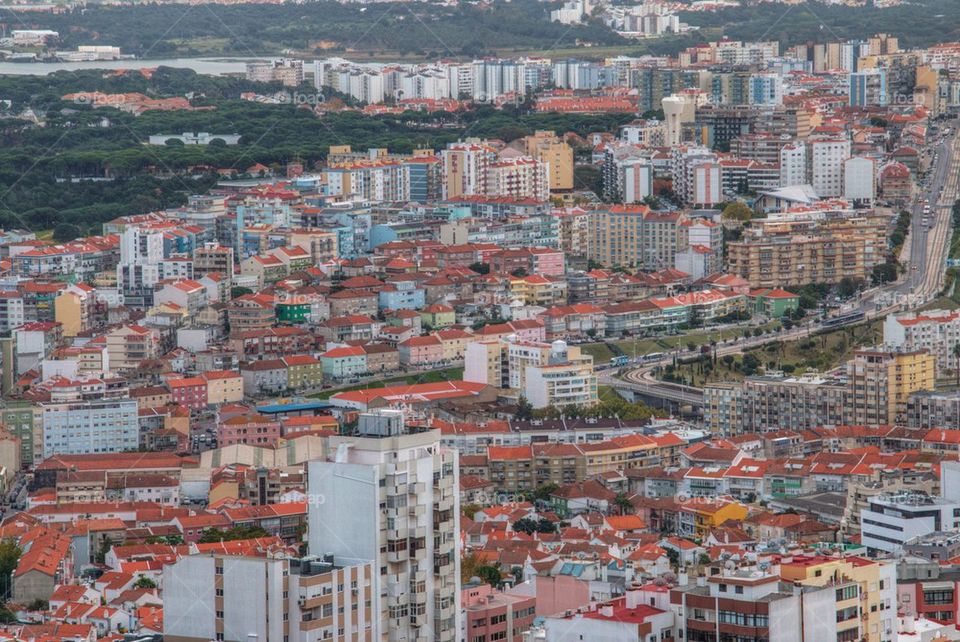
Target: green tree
(490, 574)
(526, 525)
(10, 554)
(144, 582)
(737, 211)
(65, 232)
(956, 354)
(544, 491)
(237, 532)
(622, 502)
(238, 290)
(544, 525)
(524, 409)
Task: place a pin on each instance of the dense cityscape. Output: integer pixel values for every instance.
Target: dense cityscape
(480, 321)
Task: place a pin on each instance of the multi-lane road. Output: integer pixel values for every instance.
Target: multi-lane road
(923, 279)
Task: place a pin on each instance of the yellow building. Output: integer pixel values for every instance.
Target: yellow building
(223, 386)
(455, 342)
(535, 289)
(880, 382)
(698, 517)
(438, 315)
(866, 592)
(72, 308)
(550, 149)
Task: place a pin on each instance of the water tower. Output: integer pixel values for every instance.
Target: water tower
(673, 107)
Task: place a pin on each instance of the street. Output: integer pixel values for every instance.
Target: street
(929, 246)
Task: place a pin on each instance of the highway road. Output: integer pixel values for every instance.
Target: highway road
(920, 284)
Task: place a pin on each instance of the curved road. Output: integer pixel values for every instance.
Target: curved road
(921, 283)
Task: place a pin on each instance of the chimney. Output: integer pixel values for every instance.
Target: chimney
(606, 610)
(909, 625)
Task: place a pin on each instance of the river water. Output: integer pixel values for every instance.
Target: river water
(209, 66)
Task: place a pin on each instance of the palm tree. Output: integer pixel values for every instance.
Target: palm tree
(622, 502)
(956, 353)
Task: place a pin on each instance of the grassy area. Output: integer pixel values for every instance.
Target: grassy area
(819, 352)
(942, 303)
(202, 44)
(433, 376)
(602, 352)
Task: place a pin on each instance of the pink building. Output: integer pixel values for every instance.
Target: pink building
(255, 430)
(548, 261)
(188, 391)
(421, 351)
(491, 615)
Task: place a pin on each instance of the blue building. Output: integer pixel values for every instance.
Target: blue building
(868, 88)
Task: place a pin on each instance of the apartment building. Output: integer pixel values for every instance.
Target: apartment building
(233, 598)
(799, 249)
(92, 426)
(632, 235)
(554, 154)
(465, 168)
(879, 388)
(936, 331)
(390, 496)
(879, 384)
(865, 590)
(827, 157)
(774, 402)
(287, 71)
(545, 374)
(212, 257)
(128, 346)
(518, 178)
(868, 88)
(727, 604)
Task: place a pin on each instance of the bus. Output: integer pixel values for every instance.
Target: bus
(653, 356)
(622, 360)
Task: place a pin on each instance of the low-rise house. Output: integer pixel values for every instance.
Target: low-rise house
(421, 351)
(344, 362)
(304, 371)
(268, 376)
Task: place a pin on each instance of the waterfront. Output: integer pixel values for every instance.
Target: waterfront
(215, 66)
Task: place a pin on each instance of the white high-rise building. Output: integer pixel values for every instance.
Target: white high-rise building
(673, 107)
(826, 160)
(465, 168)
(268, 599)
(635, 179)
(366, 86)
(706, 184)
(391, 496)
(139, 269)
(519, 178)
(793, 164)
(493, 79)
(460, 78)
(860, 180)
